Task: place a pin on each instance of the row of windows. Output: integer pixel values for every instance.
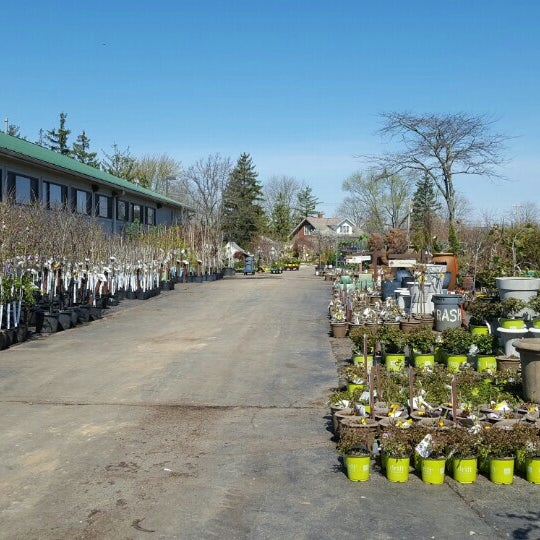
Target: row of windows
(24, 190)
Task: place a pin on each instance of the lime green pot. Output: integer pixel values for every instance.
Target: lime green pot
(455, 361)
(477, 330)
(464, 470)
(397, 469)
(536, 322)
(423, 361)
(433, 470)
(358, 360)
(394, 362)
(351, 387)
(486, 362)
(501, 470)
(357, 468)
(512, 323)
(532, 470)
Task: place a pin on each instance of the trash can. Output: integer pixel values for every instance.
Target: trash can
(447, 309)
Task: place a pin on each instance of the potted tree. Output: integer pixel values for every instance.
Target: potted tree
(421, 344)
(456, 344)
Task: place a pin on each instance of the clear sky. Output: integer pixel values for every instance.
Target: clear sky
(299, 85)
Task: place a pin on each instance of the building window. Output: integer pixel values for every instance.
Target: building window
(307, 230)
(103, 206)
(55, 195)
(82, 201)
(345, 229)
(122, 211)
(150, 216)
(22, 189)
(137, 215)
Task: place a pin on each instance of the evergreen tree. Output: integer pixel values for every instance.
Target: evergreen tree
(306, 203)
(14, 131)
(425, 206)
(57, 139)
(80, 151)
(282, 221)
(41, 137)
(242, 213)
(119, 163)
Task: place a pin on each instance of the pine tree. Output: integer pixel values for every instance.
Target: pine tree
(282, 220)
(306, 203)
(57, 139)
(424, 210)
(242, 213)
(81, 153)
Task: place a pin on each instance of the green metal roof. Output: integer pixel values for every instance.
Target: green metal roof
(34, 152)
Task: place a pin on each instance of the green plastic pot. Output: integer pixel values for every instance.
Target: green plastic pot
(465, 470)
(501, 470)
(532, 470)
(433, 470)
(512, 323)
(455, 361)
(394, 362)
(357, 468)
(358, 360)
(486, 362)
(351, 387)
(423, 361)
(397, 469)
(477, 330)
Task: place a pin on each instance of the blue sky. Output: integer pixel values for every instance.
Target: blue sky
(297, 84)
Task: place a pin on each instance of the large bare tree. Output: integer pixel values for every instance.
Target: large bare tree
(203, 184)
(442, 146)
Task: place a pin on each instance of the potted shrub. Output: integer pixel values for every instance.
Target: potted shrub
(463, 444)
(356, 457)
(498, 446)
(338, 320)
(529, 452)
(432, 450)
(456, 343)
(358, 335)
(483, 312)
(511, 313)
(355, 377)
(421, 343)
(396, 446)
(534, 305)
(487, 347)
(393, 341)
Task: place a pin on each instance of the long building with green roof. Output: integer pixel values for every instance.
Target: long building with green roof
(30, 172)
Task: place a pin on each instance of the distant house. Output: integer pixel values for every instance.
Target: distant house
(29, 173)
(314, 234)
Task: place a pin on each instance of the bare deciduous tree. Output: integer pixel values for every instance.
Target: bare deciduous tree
(203, 184)
(443, 146)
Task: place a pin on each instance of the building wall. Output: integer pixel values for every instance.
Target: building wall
(74, 190)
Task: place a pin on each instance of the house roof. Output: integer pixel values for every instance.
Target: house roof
(19, 148)
(325, 226)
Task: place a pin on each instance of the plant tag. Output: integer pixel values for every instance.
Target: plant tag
(423, 448)
(361, 410)
(364, 396)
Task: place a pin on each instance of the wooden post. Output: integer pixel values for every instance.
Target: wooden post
(454, 400)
